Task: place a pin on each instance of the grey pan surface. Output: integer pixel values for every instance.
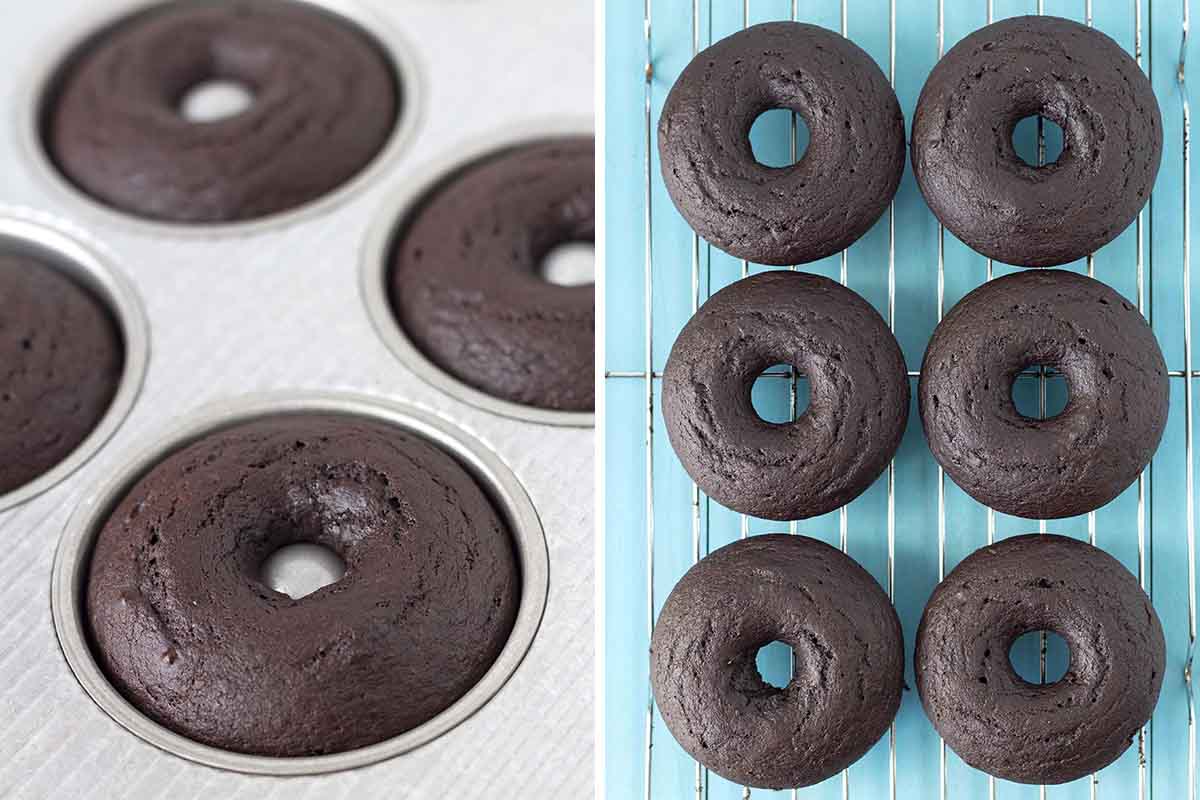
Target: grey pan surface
(277, 307)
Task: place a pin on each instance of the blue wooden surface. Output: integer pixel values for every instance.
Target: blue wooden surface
(914, 528)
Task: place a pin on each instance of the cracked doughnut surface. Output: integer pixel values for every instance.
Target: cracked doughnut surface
(466, 284)
(798, 213)
(858, 388)
(185, 629)
(325, 102)
(849, 661)
(61, 358)
(1116, 378)
(972, 177)
(992, 718)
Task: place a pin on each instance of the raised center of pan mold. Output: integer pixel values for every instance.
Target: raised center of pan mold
(1025, 141)
(771, 394)
(570, 264)
(300, 569)
(215, 100)
(771, 138)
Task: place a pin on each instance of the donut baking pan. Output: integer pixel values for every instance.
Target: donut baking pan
(68, 587)
(275, 307)
(913, 525)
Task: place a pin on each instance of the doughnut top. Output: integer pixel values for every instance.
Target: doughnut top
(837, 447)
(798, 213)
(465, 281)
(61, 358)
(848, 654)
(970, 174)
(325, 100)
(1039, 733)
(187, 631)
(1078, 460)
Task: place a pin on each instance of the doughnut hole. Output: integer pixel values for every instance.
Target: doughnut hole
(570, 264)
(300, 569)
(1026, 653)
(1025, 141)
(214, 100)
(771, 394)
(1036, 397)
(774, 663)
(771, 134)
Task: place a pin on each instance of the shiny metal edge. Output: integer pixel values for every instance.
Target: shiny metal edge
(401, 56)
(396, 206)
(72, 250)
(496, 478)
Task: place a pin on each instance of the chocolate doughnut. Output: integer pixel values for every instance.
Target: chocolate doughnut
(1071, 463)
(782, 215)
(465, 280)
(972, 177)
(61, 359)
(185, 628)
(833, 451)
(325, 102)
(998, 722)
(849, 661)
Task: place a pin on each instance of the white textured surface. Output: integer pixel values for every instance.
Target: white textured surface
(281, 310)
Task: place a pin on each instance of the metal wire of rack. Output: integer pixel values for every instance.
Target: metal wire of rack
(701, 512)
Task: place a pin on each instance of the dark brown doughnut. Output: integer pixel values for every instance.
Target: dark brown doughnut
(849, 656)
(971, 175)
(782, 215)
(833, 451)
(183, 625)
(465, 279)
(325, 101)
(1054, 733)
(1058, 467)
(61, 359)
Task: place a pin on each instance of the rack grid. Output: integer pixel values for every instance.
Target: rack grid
(913, 526)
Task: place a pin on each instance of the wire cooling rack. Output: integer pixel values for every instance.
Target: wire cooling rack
(913, 526)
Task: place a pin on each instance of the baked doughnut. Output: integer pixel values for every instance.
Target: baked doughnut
(61, 360)
(849, 661)
(1043, 468)
(1053, 733)
(833, 451)
(184, 627)
(972, 177)
(782, 215)
(325, 101)
(465, 280)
